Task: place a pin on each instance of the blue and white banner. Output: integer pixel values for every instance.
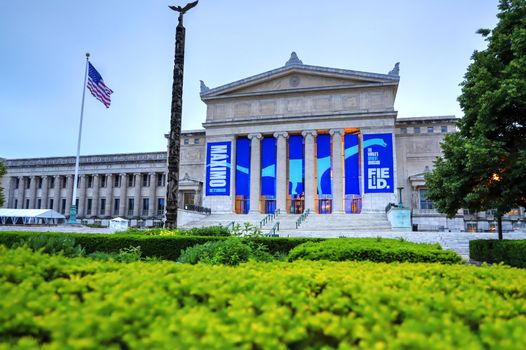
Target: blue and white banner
(378, 163)
(218, 162)
(352, 164)
(323, 156)
(268, 167)
(296, 168)
(243, 167)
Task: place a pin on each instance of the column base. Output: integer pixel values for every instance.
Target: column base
(338, 212)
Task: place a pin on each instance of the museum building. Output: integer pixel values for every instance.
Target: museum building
(294, 138)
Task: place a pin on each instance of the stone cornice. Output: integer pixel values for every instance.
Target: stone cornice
(89, 160)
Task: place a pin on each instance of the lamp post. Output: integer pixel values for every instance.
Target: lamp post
(174, 140)
(400, 204)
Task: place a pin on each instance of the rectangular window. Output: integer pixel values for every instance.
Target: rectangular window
(161, 180)
(145, 206)
(186, 141)
(88, 206)
(417, 130)
(51, 203)
(39, 203)
(403, 130)
(63, 207)
(16, 203)
(77, 203)
(424, 202)
(102, 181)
(443, 128)
(116, 181)
(28, 182)
(116, 205)
(430, 129)
(17, 183)
(102, 208)
(27, 203)
(130, 180)
(89, 179)
(51, 183)
(64, 182)
(196, 141)
(145, 182)
(471, 227)
(160, 206)
(130, 206)
(39, 182)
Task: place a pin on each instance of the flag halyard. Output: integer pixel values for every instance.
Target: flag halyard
(97, 87)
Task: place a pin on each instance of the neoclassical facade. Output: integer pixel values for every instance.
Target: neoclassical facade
(295, 138)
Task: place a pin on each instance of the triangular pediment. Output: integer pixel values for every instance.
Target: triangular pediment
(299, 77)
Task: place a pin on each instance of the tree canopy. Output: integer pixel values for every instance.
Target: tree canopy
(484, 164)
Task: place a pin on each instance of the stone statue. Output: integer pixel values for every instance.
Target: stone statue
(204, 88)
(293, 60)
(395, 70)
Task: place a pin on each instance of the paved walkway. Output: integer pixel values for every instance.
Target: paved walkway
(456, 241)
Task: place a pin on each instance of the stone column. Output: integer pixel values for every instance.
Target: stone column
(56, 196)
(32, 192)
(137, 194)
(20, 194)
(81, 210)
(10, 193)
(153, 186)
(95, 197)
(69, 193)
(255, 172)
(310, 186)
(45, 192)
(337, 171)
(281, 171)
(122, 203)
(108, 211)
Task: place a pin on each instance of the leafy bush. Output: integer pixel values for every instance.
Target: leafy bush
(373, 249)
(246, 230)
(211, 231)
(55, 302)
(129, 254)
(52, 245)
(229, 252)
(509, 252)
(163, 247)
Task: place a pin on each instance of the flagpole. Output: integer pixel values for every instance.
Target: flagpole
(73, 209)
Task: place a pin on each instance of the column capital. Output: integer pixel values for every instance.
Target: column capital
(137, 174)
(151, 173)
(44, 177)
(283, 134)
(255, 135)
(306, 133)
(122, 174)
(336, 131)
(95, 175)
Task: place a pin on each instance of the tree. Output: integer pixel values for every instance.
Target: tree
(3, 171)
(484, 164)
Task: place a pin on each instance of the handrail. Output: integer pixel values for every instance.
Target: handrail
(272, 232)
(232, 223)
(268, 218)
(302, 218)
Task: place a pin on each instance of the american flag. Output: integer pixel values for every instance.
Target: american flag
(97, 87)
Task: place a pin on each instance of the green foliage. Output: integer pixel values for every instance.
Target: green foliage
(54, 302)
(509, 252)
(3, 171)
(162, 247)
(129, 254)
(232, 251)
(52, 245)
(210, 231)
(483, 165)
(373, 249)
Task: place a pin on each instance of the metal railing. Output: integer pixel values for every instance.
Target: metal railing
(231, 223)
(302, 218)
(198, 209)
(273, 230)
(268, 218)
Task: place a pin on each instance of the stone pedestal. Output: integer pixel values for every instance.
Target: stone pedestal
(400, 218)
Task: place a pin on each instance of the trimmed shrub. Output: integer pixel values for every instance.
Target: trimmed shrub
(373, 249)
(227, 252)
(509, 252)
(163, 247)
(211, 231)
(52, 245)
(54, 302)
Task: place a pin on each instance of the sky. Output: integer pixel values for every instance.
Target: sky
(43, 46)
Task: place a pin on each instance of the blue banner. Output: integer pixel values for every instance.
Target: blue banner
(323, 155)
(352, 164)
(268, 167)
(378, 163)
(296, 168)
(243, 167)
(218, 161)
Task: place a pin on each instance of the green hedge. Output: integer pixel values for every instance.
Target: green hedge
(373, 249)
(510, 252)
(53, 302)
(164, 247)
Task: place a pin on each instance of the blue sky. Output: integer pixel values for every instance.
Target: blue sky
(43, 46)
